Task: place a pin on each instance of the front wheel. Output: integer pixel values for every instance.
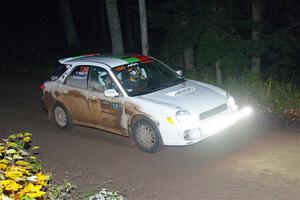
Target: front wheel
(62, 116)
(146, 135)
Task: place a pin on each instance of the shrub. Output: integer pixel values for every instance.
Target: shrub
(22, 178)
(269, 96)
(21, 175)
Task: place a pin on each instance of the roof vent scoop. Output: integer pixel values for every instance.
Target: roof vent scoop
(182, 91)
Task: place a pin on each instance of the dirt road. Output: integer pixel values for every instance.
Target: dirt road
(248, 161)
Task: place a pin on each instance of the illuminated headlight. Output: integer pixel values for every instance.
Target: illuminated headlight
(244, 112)
(184, 116)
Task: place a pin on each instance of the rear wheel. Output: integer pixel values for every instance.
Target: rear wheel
(62, 116)
(146, 135)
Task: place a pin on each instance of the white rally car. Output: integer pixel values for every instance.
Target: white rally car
(137, 96)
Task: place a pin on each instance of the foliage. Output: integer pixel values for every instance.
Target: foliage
(269, 95)
(22, 178)
(214, 30)
(222, 32)
(60, 191)
(21, 175)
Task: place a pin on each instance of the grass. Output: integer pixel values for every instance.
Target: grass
(270, 96)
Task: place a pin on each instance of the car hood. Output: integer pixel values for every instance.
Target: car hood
(194, 96)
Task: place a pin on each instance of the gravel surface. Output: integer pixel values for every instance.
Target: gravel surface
(251, 160)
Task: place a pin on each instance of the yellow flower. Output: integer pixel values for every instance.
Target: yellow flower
(20, 168)
(42, 179)
(26, 139)
(13, 186)
(34, 195)
(32, 191)
(15, 175)
(10, 185)
(4, 183)
(16, 172)
(26, 189)
(3, 166)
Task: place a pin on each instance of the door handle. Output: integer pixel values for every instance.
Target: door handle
(92, 98)
(64, 91)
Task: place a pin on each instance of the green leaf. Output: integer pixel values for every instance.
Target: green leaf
(20, 135)
(8, 158)
(26, 198)
(4, 161)
(23, 153)
(2, 177)
(27, 134)
(11, 151)
(12, 144)
(17, 157)
(12, 137)
(35, 147)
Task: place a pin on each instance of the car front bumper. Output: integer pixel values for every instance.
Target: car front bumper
(181, 135)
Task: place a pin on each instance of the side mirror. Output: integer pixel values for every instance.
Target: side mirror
(179, 72)
(111, 93)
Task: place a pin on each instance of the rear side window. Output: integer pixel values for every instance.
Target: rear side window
(58, 71)
(78, 77)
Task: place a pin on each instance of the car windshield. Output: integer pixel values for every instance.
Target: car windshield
(146, 77)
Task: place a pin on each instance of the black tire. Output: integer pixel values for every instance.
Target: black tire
(61, 116)
(146, 135)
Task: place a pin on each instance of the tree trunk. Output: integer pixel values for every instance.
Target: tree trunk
(129, 32)
(104, 37)
(256, 18)
(143, 24)
(114, 26)
(130, 41)
(189, 58)
(218, 73)
(71, 34)
(94, 18)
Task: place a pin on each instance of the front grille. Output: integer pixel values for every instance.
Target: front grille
(213, 112)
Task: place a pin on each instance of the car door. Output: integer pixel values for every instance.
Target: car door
(107, 112)
(73, 94)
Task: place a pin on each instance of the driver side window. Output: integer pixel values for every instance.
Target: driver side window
(100, 80)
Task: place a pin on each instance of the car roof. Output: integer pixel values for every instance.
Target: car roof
(110, 60)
